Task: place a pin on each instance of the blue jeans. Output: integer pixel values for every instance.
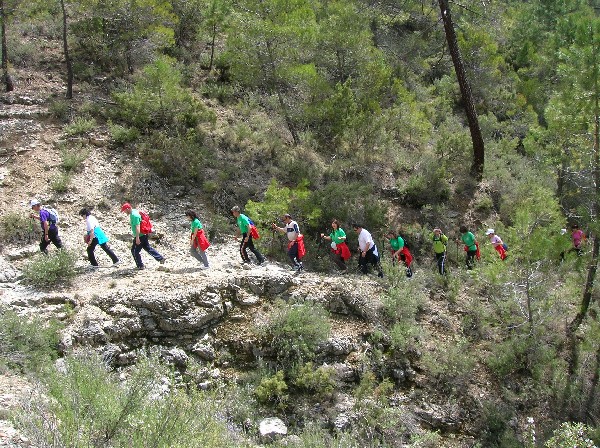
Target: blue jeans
(144, 244)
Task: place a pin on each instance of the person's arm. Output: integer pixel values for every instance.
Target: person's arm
(92, 236)
(325, 237)
(137, 234)
(46, 225)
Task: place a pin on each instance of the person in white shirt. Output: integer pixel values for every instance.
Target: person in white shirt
(95, 236)
(296, 244)
(368, 250)
(497, 243)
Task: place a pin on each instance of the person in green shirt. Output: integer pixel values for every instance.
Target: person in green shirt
(470, 243)
(140, 240)
(440, 242)
(400, 251)
(244, 224)
(198, 241)
(339, 249)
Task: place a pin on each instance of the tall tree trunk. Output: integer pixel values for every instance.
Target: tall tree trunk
(212, 47)
(7, 79)
(465, 91)
(69, 94)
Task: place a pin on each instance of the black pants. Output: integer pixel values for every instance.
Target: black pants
(293, 254)
(370, 258)
(144, 244)
(471, 258)
(249, 245)
(105, 248)
(441, 262)
(52, 238)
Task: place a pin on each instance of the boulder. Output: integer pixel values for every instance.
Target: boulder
(272, 428)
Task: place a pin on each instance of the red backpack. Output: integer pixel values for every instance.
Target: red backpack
(145, 225)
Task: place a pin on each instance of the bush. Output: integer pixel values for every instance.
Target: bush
(122, 135)
(80, 126)
(427, 186)
(50, 270)
(571, 434)
(27, 345)
(87, 405)
(451, 364)
(72, 158)
(294, 332)
(273, 390)
(59, 109)
(315, 381)
(16, 227)
(60, 183)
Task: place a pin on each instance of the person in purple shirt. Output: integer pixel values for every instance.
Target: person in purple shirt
(49, 228)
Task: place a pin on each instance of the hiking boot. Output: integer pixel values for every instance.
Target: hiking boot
(116, 263)
(409, 272)
(380, 275)
(162, 260)
(344, 271)
(141, 268)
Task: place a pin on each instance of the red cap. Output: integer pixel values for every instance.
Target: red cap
(125, 206)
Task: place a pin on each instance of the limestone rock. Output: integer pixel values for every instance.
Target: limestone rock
(272, 428)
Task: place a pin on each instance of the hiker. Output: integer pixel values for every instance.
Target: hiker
(471, 246)
(577, 238)
(399, 251)
(245, 229)
(497, 243)
(48, 219)
(339, 249)
(198, 241)
(440, 243)
(368, 250)
(296, 250)
(95, 236)
(140, 239)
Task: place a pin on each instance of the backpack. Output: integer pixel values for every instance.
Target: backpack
(145, 224)
(253, 230)
(52, 215)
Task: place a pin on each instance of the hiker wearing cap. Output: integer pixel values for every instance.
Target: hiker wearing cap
(339, 249)
(440, 243)
(245, 228)
(296, 250)
(95, 236)
(140, 240)
(399, 251)
(48, 223)
(198, 241)
(368, 250)
(471, 246)
(497, 243)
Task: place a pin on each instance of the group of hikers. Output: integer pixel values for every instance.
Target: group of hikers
(369, 255)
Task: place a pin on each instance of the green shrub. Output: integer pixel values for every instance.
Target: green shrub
(87, 405)
(122, 135)
(59, 109)
(451, 364)
(405, 336)
(427, 186)
(315, 381)
(80, 126)
(273, 390)
(60, 183)
(295, 331)
(72, 158)
(571, 435)
(15, 227)
(494, 428)
(27, 345)
(49, 270)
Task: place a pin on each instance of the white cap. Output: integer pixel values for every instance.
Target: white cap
(34, 202)
(489, 231)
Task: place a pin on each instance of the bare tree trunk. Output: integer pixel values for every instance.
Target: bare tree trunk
(212, 47)
(69, 94)
(7, 79)
(466, 93)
